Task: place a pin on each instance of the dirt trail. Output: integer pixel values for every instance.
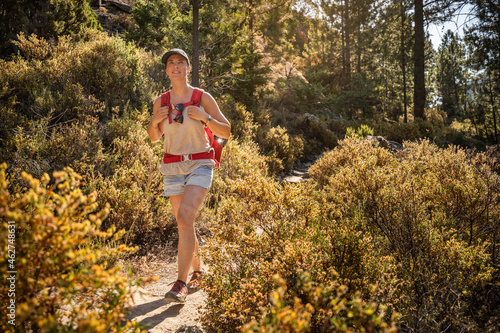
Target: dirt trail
(152, 311)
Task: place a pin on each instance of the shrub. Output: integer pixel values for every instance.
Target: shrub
(47, 19)
(316, 136)
(369, 218)
(260, 230)
(242, 122)
(71, 77)
(131, 182)
(343, 313)
(63, 281)
(359, 133)
(281, 148)
(417, 130)
(432, 209)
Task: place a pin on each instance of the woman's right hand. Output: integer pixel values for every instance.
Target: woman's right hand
(155, 127)
(159, 117)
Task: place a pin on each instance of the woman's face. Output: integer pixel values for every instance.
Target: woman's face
(177, 67)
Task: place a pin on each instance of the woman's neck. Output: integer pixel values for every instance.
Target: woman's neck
(180, 89)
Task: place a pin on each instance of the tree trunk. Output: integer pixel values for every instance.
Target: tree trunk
(342, 33)
(360, 43)
(493, 107)
(195, 76)
(403, 60)
(419, 55)
(348, 25)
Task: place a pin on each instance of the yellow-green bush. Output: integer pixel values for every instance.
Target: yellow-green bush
(434, 210)
(64, 281)
(243, 126)
(132, 183)
(61, 81)
(281, 148)
(262, 229)
(420, 226)
(360, 132)
(339, 312)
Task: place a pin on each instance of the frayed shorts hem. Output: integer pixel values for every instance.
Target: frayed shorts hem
(175, 184)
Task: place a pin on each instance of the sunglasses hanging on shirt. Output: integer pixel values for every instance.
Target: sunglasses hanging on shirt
(179, 118)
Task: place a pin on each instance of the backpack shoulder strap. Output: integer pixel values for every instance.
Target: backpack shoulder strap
(165, 98)
(196, 96)
(165, 101)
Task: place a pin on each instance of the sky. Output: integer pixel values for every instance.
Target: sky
(459, 22)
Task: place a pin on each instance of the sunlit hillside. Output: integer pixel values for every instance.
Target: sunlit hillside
(394, 224)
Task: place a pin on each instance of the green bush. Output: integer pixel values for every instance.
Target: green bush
(64, 281)
(343, 314)
(64, 81)
(281, 149)
(131, 181)
(48, 19)
(360, 133)
(316, 136)
(430, 208)
(412, 233)
(242, 122)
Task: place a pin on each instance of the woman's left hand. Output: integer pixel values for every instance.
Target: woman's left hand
(197, 113)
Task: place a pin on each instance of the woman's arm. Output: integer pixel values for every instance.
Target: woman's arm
(219, 125)
(155, 126)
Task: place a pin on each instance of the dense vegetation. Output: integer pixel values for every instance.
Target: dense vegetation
(375, 241)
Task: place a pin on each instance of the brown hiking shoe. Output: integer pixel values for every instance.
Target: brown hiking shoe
(195, 281)
(178, 292)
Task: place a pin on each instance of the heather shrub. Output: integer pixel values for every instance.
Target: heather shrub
(262, 229)
(412, 233)
(240, 163)
(78, 145)
(45, 18)
(109, 69)
(63, 80)
(64, 279)
(349, 153)
(45, 148)
(314, 133)
(242, 122)
(281, 149)
(343, 313)
(434, 210)
(131, 182)
(411, 131)
(26, 150)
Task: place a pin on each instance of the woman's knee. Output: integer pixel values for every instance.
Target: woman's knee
(185, 221)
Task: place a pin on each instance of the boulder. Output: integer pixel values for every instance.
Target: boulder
(384, 143)
(121, 4)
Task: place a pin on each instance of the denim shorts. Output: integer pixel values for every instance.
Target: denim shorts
(174, 184)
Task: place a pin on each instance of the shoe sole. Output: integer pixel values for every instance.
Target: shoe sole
(172, 298)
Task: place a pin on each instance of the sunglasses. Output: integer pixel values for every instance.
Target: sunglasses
(179, 118)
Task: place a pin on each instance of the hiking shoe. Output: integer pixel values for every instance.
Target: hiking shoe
(195, 281)
(178, 292)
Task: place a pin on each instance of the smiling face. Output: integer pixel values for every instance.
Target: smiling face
(177, 67)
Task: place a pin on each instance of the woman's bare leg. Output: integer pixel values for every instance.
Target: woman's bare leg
(186, 208)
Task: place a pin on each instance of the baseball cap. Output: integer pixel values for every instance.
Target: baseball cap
(172, 52)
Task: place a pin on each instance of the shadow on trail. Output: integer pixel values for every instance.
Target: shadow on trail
(151, 322)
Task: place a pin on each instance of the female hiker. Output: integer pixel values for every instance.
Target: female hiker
(187, 166)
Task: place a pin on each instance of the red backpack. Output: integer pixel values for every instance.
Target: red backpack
(217, 147)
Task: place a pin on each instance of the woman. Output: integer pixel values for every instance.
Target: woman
(187, 167)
